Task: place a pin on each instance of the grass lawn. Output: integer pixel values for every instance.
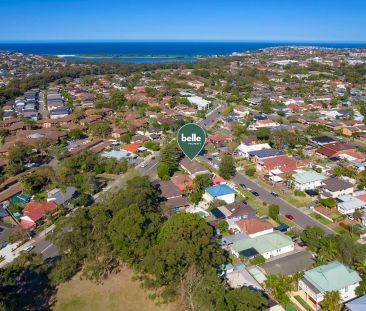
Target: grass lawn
(118, 292)
(320, 218)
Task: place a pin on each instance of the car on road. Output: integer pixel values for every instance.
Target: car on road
(242, 185)
(152, 158)
(255, 193)
(29, 248)
(275, 194)
(289, 216)
(143, 165)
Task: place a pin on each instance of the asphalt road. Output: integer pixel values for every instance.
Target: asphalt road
(45, 248)
(301, 219)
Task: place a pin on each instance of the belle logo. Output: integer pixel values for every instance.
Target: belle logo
(191, 139)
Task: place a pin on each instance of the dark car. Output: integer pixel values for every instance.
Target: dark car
(275, 194)
(243, 186)
(255, 193)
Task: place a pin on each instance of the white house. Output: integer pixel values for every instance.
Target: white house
(307, 180)
(220, 192)
(268, 245)
(244, 150)
(333, 276)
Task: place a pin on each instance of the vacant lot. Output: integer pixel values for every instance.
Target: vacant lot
(118, 292)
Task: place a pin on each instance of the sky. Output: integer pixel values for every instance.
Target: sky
(183, 20)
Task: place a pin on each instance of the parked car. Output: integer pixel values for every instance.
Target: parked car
(255, 193)
(243, 186)
(29, 248)
(275, 194)
(289, 216)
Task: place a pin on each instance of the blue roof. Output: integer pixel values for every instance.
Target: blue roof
(358, 304)
(217, 213)
(219, 190)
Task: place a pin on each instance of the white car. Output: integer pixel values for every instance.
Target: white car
(143, 165)
(29, 248)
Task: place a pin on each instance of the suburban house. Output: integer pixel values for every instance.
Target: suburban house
(35, 211)
(332, 150)
(233, 212)
(256, 156)
(173, 195)
(358, 304)
(61, 197)
(193, 168)
(220, 192)
(244, 150)
(308, 180)
(334, 187)
(333, 276)
(268, 245)
(253, 226)
(280, 165)
(348, 204)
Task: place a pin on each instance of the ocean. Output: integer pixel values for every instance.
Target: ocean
(149, 51)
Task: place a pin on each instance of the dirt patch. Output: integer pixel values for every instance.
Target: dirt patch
(118, 292)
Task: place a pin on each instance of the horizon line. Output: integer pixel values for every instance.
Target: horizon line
(178, 41)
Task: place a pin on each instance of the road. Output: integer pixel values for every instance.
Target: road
(42, 106)
(301, 219)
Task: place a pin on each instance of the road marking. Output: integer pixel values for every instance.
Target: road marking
(49, 246)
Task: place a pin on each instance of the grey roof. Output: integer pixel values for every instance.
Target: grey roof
(234, 238)
(264, 153)
(336, 184)
(61, 197)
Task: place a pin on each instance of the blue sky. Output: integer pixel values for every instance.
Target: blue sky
(221, 20)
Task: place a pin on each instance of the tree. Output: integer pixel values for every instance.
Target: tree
(273, 211)
(227, 167)
(170, 155)
(331, 301)
(17, 234)
(163, 171)
(250, 170)
(263, 133)
(100, 129)
(223, 226)
(313, 237)
(183, 240)
(20, 153)
(195, 197)
(279, 286)
(75, 133)
(201, 182)
(244, 299)
(40, 178)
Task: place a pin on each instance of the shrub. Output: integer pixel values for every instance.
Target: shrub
(257, 260)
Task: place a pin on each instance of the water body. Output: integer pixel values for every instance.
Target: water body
(153, 51)
(131, 59)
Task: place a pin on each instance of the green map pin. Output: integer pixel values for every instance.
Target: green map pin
(191, 139)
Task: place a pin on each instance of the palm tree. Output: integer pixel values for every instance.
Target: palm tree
(361, 267)
(331, 301)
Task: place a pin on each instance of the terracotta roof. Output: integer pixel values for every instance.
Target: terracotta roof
(182, 181)
(253, 225)
(131, 147)
(37, 210)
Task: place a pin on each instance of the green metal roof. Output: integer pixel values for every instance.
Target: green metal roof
(332, 276)
(264, 243)
(307, 177)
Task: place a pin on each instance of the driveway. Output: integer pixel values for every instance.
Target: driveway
(290, 264)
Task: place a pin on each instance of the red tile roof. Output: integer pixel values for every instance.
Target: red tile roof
(182, 182)
(37, 210)
(253, 225)
(333, 149)
(131, 147)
